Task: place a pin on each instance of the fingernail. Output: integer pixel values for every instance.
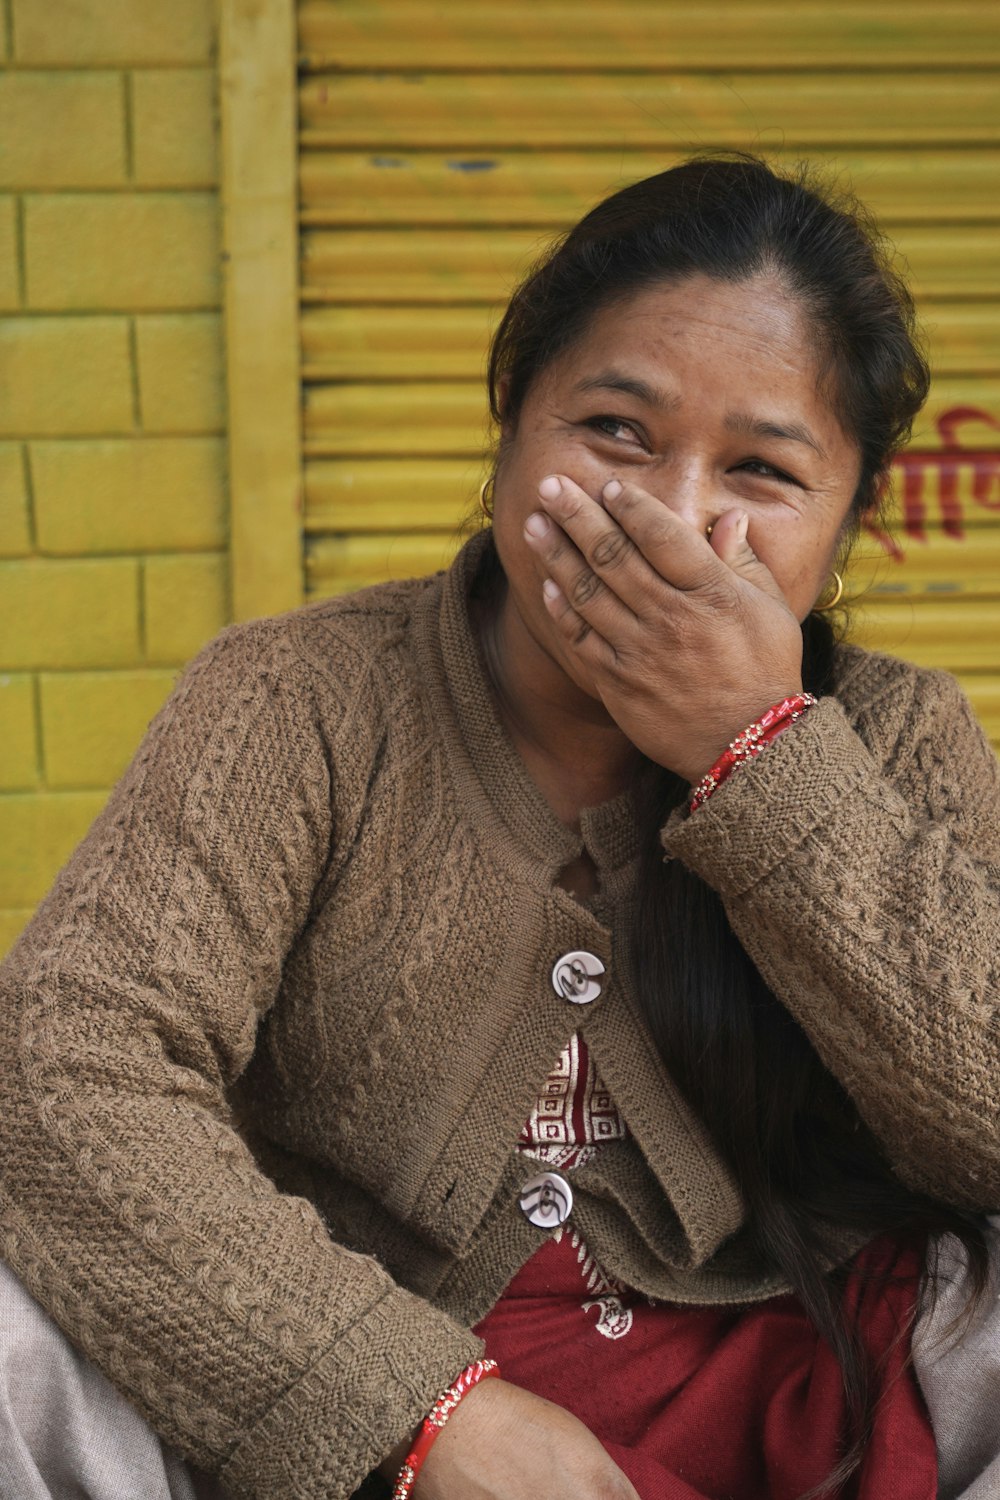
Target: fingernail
(741, 527)
(550, 488)
(537, 524)
(612, 489)
(550, 589)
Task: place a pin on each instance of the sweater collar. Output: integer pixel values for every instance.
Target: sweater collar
(494, 773)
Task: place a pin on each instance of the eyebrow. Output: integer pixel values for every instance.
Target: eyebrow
(795, 432)
(629, 385)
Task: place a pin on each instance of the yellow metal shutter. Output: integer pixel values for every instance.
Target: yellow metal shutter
(443, 143)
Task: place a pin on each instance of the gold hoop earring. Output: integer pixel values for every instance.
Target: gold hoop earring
(486, 503)
(821, 609)
(709, 528)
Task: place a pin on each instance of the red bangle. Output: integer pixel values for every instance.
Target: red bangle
(755, 738)
(435, 1420)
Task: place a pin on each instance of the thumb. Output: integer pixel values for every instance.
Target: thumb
(730, 544)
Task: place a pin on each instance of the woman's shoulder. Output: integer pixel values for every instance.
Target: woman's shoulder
(366, 621)
(865, 676)
(334, 643)
(892, 702)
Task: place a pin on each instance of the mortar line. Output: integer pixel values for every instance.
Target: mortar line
(36, 709)
(133, 359)
(8, 27)
(128, 107)
(29, 496)
(36, 675)
(141, 606)
(21, 251)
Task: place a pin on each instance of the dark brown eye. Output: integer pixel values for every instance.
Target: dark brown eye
(767, 471)
(614, 427)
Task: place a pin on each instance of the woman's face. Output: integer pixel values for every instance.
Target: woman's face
(706, 394)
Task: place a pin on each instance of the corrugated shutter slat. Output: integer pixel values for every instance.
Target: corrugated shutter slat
(554, 188)
(480, 112)
(386, 34)
(441, 146)
(451, 266)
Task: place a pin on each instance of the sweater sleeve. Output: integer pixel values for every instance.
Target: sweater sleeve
(129, 1204)
(863, 879)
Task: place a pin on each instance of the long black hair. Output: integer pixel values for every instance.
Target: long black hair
(805, 1162)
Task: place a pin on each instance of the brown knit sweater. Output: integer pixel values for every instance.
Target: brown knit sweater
(270, 1040)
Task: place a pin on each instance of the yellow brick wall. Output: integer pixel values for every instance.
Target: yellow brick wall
(113, 506)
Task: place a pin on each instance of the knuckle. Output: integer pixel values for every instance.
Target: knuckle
(706, 580)
(710, 590)
(613, 1487)
(581, 635)
(720, 600)
(585, 586)
(624, 661)
(674, 630)
(610, 549)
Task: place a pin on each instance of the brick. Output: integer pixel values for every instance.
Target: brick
(186, 603)
(19, 757)
(129, 495)
(98, 32)
(69, 614)
(62, 130)
(129, 251)
(15, 528)
(93, 721)
(12, 924)
(38, 833)
(67, 376)
(10, 280)
(175, 136)
(181, 382)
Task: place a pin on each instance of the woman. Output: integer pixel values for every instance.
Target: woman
(435, 968)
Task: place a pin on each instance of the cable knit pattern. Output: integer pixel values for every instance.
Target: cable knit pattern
(868, 898)
(272, 1036)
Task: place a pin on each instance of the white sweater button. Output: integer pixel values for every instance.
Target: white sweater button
(546, 1200)
(575, 976)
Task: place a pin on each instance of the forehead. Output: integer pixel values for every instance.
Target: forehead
(699, 336)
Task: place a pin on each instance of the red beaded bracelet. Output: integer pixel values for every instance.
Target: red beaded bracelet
(435, 1420)
(755, 738)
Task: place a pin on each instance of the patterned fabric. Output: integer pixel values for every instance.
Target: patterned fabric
(742, 1402)
(575, 1113)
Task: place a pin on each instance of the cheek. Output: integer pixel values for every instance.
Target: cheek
(522, 566)
(800, 560)
(517, 486)
(553, 452)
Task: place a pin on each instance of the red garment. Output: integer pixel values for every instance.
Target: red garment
(716, 1403)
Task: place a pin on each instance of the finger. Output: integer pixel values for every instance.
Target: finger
(675, 551)
(730, 542)
(583, 587)
(609, 553)
(575, 629)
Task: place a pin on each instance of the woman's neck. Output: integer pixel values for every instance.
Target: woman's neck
(572, 748)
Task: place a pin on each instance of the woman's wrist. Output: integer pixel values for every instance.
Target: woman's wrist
(414, 1453)
(751, 742)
